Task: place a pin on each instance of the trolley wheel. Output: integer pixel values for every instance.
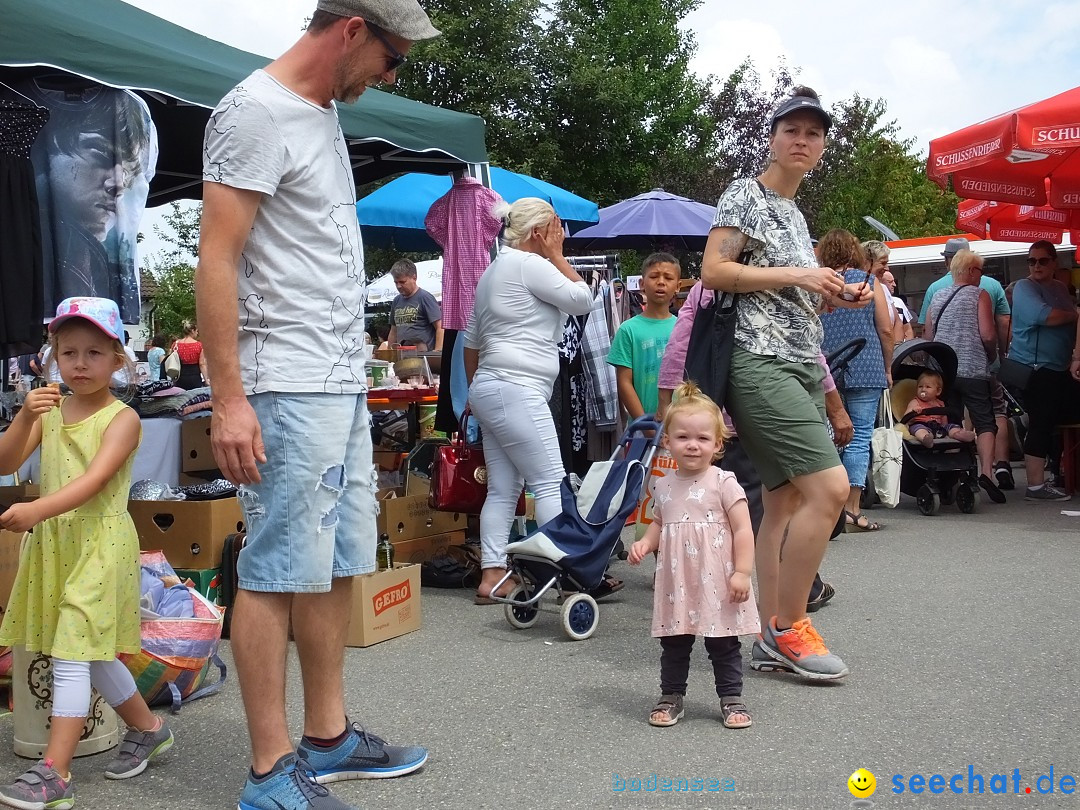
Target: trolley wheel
(928, 500)
(966, 498)
(521, 616)
(580, 615)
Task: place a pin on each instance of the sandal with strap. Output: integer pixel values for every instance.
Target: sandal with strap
(859, 523)
(732, 708)
(668, 711)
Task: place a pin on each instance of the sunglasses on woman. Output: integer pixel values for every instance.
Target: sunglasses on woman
(397, 58)
(1042, 261)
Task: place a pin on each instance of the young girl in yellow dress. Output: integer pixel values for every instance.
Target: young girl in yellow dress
(76, 595)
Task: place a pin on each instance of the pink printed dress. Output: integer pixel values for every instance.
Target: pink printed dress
(697, 558)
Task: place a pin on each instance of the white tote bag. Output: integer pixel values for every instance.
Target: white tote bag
(886, 456)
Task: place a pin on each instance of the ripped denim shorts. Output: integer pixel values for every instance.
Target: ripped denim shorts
(312, 517)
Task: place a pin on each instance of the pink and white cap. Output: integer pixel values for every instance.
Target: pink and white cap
(102, 312)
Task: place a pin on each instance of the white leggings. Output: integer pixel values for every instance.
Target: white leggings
(71, 685)
(520, 444)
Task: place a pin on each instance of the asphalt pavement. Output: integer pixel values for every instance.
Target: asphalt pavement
(954, 627)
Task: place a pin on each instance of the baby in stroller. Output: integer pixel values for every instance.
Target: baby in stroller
(930, 420)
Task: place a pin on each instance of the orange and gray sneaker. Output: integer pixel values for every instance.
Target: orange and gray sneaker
(803, 650)
(761, 661)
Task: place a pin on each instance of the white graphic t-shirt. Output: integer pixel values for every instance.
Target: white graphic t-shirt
(782, 323)
(300, 280)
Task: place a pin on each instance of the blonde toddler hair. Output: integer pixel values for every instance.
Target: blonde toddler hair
(688, 398)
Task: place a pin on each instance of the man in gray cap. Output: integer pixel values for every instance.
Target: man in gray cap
(291, 424)
(1003, 322)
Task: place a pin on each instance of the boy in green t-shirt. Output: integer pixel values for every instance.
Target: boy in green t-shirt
(638, 346)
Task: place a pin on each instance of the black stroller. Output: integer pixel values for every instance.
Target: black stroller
(571, 552)
(948, 472)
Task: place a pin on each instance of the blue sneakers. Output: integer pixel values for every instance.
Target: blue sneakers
(290, 785)
(361, 756)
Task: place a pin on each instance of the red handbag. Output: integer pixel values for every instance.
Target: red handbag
(459, 476)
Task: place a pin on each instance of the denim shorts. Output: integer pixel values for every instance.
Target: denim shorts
(312, 517)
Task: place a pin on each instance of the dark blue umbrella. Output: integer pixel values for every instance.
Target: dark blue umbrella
(651, 221)
(394, 214)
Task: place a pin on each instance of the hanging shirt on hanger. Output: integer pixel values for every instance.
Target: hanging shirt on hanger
(462, 223)
(93, 162)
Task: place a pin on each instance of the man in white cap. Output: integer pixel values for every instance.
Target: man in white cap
(280, 236)
(1003, 321)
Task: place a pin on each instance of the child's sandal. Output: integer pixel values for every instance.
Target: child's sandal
(668, 711)
(733, 708)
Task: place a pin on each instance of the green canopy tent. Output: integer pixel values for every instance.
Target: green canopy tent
(183, 75)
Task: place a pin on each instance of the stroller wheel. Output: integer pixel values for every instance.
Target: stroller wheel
(521, 616)
(580, 615)
(966, 498)
(948, 495)
(928, 500)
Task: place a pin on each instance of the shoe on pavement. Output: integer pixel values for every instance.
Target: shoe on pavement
(136, 751)
(1004, 475)
(40, 788)
(992, 489)
(761, 661)
(290, 785)
(804, 650)
(361, 756)
(1046, 492)
(816, 603)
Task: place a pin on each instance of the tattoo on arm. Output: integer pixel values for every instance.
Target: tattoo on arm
(731, 247)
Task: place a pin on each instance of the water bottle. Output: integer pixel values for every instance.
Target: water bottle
(384, 553)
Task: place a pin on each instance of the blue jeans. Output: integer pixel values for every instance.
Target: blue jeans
(862, 407)
(312, 517)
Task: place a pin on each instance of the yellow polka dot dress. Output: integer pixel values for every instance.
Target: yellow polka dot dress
(76, 595)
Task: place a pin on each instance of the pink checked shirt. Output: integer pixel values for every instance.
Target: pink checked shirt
(462, 223)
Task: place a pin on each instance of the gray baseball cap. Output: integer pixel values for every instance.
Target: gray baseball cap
(404, 18)
(954, 246)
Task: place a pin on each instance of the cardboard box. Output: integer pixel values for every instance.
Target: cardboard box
(10, 543)
(385, 605)
(19, 494)
(421, 549)
(405, 517)
(195, 451)
(207, 581)
(191, 533)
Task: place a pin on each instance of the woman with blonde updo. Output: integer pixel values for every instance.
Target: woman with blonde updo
(511, 362)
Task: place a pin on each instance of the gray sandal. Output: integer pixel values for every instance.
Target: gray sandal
(667, 712)
(729, 707)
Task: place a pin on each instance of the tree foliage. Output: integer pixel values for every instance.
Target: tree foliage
(174, 302)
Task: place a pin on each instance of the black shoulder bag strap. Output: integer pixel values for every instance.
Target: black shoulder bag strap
(941, 312)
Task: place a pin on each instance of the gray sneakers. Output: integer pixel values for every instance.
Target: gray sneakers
(136, 751)
(761, 661)
(40, 788)
(801, 648)
(1046, 492)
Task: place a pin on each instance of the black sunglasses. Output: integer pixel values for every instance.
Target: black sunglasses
(397, 58)
(1042, 261)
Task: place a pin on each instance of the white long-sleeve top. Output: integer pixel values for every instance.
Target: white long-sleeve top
(522, 301)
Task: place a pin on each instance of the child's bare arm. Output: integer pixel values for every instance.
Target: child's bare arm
(646, 545)
(742, 532)
(24, 433)
(628, 398)
(121, 439)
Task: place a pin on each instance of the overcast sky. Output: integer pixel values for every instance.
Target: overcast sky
(939, 65)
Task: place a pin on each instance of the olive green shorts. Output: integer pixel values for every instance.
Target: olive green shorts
(779, 413)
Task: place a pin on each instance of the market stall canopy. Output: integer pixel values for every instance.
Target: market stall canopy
(1006, 222)
(1009, 158)
(393, 216)
(428, 277)
(183, 75)
(654, 220)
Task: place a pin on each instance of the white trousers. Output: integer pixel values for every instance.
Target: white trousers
(71, 685)
(520, 446)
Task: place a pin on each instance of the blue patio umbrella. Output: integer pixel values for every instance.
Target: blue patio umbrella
(654, 220)
(394, 214)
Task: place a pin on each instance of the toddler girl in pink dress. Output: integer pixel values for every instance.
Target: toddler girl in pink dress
(702, 531)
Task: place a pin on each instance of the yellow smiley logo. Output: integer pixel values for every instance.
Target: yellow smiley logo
(862, 784)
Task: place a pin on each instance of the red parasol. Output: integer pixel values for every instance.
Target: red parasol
(1005, 222)
(1009, 158)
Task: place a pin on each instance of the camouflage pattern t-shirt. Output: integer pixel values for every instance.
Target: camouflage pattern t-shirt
(782, 323)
